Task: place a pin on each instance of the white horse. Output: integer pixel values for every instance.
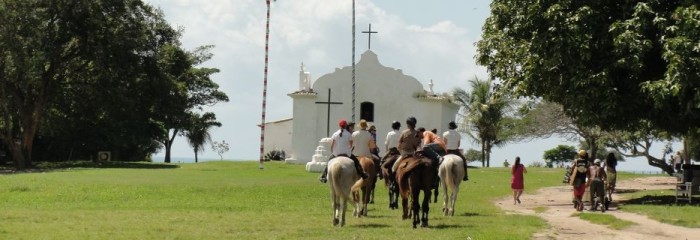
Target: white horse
(343, 180)
(451, 172)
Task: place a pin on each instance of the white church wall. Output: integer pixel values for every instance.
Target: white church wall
(392, 93)
(303, 116)
(278, 136)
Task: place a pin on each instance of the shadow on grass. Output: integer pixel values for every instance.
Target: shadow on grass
(468, 214)
(655, 200)
(624, 191)
(372, 225)
(447, 226)
(62, 166)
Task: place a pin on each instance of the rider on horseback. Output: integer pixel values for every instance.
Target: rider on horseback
(341, 147)
(452, 141)
(409, 141)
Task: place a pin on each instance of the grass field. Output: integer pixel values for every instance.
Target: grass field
(236, 200)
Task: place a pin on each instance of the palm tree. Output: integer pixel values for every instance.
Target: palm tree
(484, 116)
(198, 132)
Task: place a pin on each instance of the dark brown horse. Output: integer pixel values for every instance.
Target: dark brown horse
(390, 180)
(368, 184)
(415, 175)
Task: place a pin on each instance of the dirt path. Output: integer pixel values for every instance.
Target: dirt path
(557, 202)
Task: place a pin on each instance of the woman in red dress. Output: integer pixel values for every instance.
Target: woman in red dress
(517, 181)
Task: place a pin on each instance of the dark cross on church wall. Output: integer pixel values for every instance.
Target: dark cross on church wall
(328, 118)
(369, 36)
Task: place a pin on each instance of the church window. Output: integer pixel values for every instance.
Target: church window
(367, 111)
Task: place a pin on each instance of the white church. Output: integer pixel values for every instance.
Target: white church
(382, 95)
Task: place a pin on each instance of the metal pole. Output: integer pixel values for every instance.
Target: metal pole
(353, 60)
(264, 103)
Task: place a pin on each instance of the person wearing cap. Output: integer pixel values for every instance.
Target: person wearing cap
(596, 180)
(409, 141)
(341, 146)
(375, 151)
(452, 141)
(362, 143)
(579, 172)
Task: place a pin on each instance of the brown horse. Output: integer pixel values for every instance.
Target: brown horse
(367, 186)
(417, 174)
(390, 180)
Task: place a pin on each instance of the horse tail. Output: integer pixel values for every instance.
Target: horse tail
(449, 177)
(357, 186)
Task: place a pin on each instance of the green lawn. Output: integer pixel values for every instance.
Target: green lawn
(660, 205)
(236, 200)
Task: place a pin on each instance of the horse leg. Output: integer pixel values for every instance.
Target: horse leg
(425, 209)
(336, 209)
(343, 207)
(453, 201)
(445, 199)
(415, 206)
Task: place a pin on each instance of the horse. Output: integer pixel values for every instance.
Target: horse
(342, 180)
(390, 180)
(367, 185)
(451, 172)
(418, 174)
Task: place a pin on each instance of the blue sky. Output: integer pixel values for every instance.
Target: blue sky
(424, 39)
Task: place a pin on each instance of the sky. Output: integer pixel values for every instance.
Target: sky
(424, 39)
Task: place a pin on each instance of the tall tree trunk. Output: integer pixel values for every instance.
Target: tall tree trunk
(488, 154)
(17, 156)
(168, 144)
(483, 154)
(196, 160)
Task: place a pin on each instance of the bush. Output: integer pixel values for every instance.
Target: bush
(536, 164)
(275, 155)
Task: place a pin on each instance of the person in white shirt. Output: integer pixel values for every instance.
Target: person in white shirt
(362, 141)
(341, 146)
(391, 143)
(452, 141)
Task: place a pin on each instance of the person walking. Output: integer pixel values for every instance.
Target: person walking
(596, 179)
(517, 180)
(453, 140)
(579, 173)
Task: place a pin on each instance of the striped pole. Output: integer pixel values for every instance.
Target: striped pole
(353, 60)
(262, 124)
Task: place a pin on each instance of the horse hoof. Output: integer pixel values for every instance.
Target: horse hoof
(335, 222)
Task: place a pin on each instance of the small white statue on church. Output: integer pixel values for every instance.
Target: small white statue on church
(430, 86)
(304, 79)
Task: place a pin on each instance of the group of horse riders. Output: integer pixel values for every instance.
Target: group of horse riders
(407, 143)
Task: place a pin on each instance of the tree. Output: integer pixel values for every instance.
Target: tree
(220, 148)
(637, 143)
(485, 115)
(560, 154)
(543, 119)
(186, 88)
(52, 47)
(198, 132)
(609, 63)
(473, 155)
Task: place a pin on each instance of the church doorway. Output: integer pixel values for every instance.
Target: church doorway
(367, 111)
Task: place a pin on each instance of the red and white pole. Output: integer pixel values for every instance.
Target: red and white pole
(262, 124)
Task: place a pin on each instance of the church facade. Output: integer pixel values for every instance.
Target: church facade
(382, 95)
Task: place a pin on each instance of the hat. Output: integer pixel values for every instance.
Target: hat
(596, 161)
(342, 123)
(582, 153)
(452, 125)
(363, 124)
